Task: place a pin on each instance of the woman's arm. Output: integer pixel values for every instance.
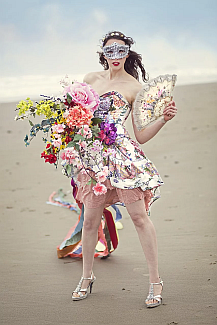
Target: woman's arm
(150, 131)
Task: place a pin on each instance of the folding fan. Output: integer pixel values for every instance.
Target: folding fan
(152, 99)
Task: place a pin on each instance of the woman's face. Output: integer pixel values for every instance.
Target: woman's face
(116, 53)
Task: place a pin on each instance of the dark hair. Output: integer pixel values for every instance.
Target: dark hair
(133, 62)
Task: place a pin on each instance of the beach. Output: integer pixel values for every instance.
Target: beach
(36, 286)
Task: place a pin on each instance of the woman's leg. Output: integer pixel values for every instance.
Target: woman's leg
(92, 219)
(148, 240)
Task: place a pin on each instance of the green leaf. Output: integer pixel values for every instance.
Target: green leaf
(70, 144)
(91, 181)
(95, 130)
(77, 147)
(69, 98)
(30, 122)
(96, 120)
(78, 137)
(68, 169)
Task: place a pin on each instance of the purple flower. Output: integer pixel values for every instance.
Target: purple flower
(108, 133)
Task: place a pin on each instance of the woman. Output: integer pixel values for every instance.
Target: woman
(132, 179)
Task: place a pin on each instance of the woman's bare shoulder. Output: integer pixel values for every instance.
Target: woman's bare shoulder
(92, 76)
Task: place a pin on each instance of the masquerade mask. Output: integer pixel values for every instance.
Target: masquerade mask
(116, 51)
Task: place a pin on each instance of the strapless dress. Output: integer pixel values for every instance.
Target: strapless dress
(132, 176)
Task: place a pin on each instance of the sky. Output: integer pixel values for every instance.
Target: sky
(43, 40)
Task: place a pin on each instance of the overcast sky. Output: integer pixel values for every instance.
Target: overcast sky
(42, 40)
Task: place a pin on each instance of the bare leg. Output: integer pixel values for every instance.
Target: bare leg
(148, 240)
(92, 219)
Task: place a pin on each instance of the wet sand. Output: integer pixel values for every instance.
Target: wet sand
(36, 286)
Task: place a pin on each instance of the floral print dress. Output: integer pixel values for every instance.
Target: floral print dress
(131, 175)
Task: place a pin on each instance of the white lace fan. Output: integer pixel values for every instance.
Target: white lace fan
(151, 100)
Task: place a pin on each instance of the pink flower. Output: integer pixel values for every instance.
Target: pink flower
(82, 144)
(109, 152)
(57, 135)
(79, 116)
(99, 189)
(57, 143)
(105, 170)
(83, 94)
(58, 128)
(97, 146)
(85, 131)
(160, 92)
(70, 155)
(101, 176)
(65, 81)
(65, 114)
(80, 166)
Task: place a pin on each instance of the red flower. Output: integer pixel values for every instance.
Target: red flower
(51, 158)
(102, 135)
(68, 139)
(69, 105)
(43, 154)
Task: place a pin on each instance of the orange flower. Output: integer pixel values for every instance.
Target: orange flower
(79, 116)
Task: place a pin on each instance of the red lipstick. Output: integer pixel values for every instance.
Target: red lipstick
(115, 64)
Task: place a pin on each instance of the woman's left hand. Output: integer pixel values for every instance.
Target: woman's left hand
(170, 111)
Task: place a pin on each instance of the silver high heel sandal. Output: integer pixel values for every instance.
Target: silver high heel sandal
(152, 297)
(82, 293)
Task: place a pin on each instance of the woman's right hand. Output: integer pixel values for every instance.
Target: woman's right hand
(170, 111)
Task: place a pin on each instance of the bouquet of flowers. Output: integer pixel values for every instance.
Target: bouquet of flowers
(72, 132)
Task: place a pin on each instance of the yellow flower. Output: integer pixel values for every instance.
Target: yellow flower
(45, 108)
(24, 106)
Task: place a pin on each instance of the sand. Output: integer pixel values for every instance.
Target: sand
(36, 286)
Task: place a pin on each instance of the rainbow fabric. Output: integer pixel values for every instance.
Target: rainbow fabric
(107, 232)
(107, 236)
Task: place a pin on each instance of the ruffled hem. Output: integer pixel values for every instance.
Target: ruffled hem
(113, 195)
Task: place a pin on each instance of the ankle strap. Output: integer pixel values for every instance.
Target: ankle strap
(157, 283)
(91, 277)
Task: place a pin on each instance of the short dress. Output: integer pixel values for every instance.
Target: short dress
(132, 176)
